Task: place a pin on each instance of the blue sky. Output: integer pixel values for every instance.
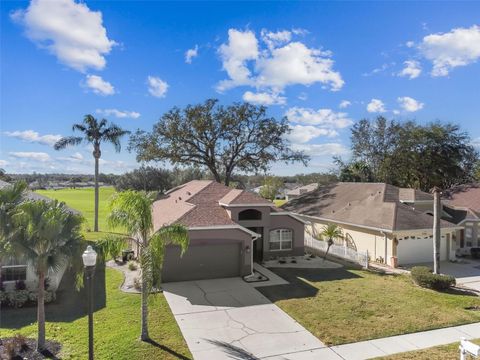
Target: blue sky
(325, 65)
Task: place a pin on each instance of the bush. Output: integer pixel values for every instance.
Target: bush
(17, 298)
(424, 277)
(132, 266)
(20, 285)
(137, 284)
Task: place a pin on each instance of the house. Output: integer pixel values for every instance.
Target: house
(393, 224)
(229, 229)
(462, 203)
(299, 191)
(15, 269)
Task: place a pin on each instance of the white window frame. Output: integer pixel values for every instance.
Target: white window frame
(13, 267)
(280, 240)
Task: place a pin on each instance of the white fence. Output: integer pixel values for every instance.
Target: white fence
(357, 256)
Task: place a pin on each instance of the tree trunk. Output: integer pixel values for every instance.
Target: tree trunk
(144, 335)
(41, 312)
(436, 230)
(96, 154)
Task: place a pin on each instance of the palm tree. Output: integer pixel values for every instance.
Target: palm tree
(132, 210)
(48, 237)
(331, 232)
(94, 132)
(10, 197)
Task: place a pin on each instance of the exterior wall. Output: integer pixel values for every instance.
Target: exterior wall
(271, 222)
(31, 281)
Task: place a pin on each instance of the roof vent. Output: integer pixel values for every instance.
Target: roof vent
(189, 193)
(179, 198)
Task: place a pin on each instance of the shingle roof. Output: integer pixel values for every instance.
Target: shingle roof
(197, 204)
(375, 205)
(465, 196)
(302, 189)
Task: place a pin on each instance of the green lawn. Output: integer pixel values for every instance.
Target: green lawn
(346, 305)
(117, 327)
(444, 352)
(83, 201)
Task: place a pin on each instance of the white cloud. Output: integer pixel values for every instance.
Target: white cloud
(157, 87)
(376, 106)
(3, 162)
(279, 64)
(37, 156)
(412, 69)
(409, 104)
(34, 137)
(410, 44)
(99, 86)
(396, 112)
(75, 157)
(459, 47)
(301, 134)
(190, 54)
(118, 113)
(476, 142)
(322, 117)
(332, 149)
(69, 30)
(303, 96)
(344, 104)
(264, 98)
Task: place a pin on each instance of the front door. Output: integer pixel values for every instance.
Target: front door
(257, 245)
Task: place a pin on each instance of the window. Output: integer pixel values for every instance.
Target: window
(250, 214)
(468, 235)
(281, 239)
(14, 272)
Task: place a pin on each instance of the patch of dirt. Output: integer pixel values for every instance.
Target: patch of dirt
(27, 350)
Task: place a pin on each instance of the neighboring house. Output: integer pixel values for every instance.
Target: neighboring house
(229, 229)
(393, 224)
(462, 202)
(15, 269)
(299, 191)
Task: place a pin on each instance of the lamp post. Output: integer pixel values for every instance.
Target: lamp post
(89, 258)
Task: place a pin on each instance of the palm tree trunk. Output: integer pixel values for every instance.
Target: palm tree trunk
(41, 312)
(144, 335)
(95, 227)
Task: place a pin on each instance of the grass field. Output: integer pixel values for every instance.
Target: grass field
(344, 305)
(117, 327)
(83, 201)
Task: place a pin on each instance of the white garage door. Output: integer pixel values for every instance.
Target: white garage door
(418, 250)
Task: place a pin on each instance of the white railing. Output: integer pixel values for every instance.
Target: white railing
(341, 251)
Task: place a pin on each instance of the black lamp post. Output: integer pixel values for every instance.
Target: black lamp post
(89, 258)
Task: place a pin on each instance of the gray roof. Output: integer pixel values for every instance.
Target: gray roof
(373, 205)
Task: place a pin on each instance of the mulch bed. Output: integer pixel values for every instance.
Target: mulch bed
(27, 350)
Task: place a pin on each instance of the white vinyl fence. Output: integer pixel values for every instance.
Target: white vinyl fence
(357, 256)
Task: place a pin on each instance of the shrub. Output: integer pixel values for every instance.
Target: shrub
(20, 342)
(132, 266)
(20, 285)
(3, 297)
(17, 298)
(137, 284)
(48, 297)
(424, 277)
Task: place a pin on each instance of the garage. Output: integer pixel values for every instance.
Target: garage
(414, 250)
(204, 261)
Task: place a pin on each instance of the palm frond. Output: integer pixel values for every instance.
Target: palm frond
(67, 141)
(113, 134)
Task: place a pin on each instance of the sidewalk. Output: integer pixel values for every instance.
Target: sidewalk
(408, 342)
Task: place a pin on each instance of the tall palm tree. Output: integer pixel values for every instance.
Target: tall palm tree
(94, 132)
(331, 232)
(132, 210)
(48, 236)
(10, 197)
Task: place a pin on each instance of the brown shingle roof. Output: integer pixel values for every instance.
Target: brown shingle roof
(374, 205)
(464, 196)
(197, 204)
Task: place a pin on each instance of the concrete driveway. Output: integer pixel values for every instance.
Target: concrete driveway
(229, 319)
(466, 271)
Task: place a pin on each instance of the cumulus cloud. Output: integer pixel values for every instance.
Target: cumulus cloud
(344, 104)
(410, 44)
(332, 149)
(69, 30)
(322, 117)
(411, 70)
(37, 156)
(301, 134)
(157, 87)
(99, 86)
(190, 54)
(75, 157)
(409, 104)
(376, 106)
(459, 47)
(274, 63)
(264, 98)
(34, 137)
(118, 113)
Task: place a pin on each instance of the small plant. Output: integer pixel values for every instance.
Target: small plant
(282, 261)
(18, 298)
(2, 286)
(46, 283)
(20, 285)
(424, 277)
(9, 349)
(137, 284)
(132, 265)
(20, 342)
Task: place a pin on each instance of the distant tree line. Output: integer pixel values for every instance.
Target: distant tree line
(410, 154)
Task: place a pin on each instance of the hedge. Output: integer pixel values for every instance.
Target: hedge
(424, 277)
